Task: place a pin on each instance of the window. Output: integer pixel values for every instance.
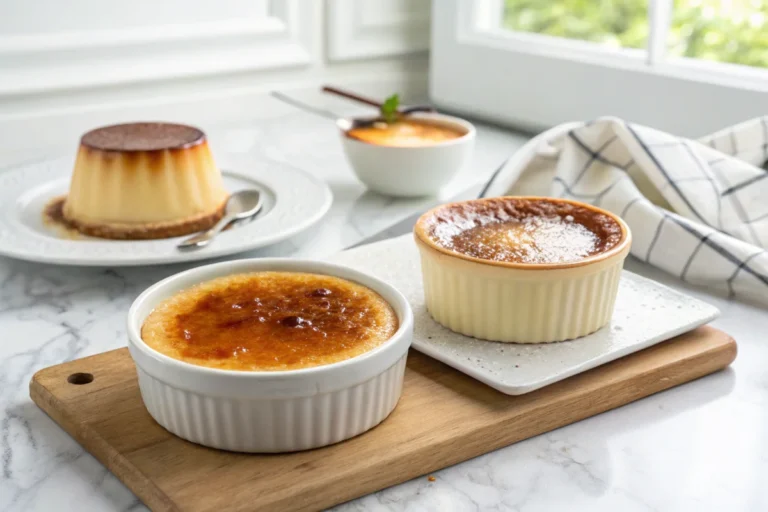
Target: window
(613, 24)
(688, 66)
(721, 31)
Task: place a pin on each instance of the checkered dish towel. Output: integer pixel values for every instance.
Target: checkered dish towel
(697, 209)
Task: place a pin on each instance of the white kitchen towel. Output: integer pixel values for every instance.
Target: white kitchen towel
(697, 209)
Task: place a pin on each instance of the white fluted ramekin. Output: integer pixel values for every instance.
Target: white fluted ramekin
(518, 302)
(278, 411)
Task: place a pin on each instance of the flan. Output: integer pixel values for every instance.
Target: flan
(521, 269)
(405, 133)
(144, 181)
(270, 321)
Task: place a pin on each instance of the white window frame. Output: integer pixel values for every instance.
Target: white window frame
(533, 82)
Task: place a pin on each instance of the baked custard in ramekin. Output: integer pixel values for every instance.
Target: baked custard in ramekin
(270, 355)
(521, 269)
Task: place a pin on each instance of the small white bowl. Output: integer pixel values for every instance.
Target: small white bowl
(410, 171)
(279, 411)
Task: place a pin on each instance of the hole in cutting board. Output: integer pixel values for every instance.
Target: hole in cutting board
(80, 378)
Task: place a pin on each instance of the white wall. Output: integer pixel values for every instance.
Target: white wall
(66, 66)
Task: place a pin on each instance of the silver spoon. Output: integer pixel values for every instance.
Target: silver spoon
(240, 205)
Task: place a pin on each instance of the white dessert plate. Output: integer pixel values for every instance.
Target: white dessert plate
(293, 201)
(646, 313)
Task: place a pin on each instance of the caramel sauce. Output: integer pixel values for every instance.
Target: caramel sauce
(53, 217)
(408, 133)
(269, 321)
(523, 230)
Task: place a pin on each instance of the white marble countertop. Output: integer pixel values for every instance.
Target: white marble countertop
(702, 446)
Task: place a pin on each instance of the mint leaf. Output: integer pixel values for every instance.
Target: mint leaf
(389, 108)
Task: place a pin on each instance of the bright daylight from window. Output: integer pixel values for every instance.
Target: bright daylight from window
(731, 31)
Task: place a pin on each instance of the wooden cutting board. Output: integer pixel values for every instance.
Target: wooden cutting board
(443, 418)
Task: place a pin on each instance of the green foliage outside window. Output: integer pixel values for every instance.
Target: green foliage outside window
(733, 31)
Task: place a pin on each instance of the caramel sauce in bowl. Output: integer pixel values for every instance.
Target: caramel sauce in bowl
(414, 157)
(407, 133)
(284, 383)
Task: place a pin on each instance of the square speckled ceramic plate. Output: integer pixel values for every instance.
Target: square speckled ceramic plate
(646, 313)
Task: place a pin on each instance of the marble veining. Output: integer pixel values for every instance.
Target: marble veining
(699, 447)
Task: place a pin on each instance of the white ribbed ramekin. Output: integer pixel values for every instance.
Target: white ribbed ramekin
(279, 411)
(520, 303)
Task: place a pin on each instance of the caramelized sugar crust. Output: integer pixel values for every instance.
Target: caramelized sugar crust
(407, 133)
(269, 321)
(142, 137)
(522, 230)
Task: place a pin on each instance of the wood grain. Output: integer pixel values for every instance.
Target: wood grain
(443, 418)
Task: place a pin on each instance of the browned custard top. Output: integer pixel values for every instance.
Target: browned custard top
(270, 321)
(522, 230)
(406, 133)
(142, 137)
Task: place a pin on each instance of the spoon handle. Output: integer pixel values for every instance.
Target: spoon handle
(204, 238)
(352, 96)
(362, 99)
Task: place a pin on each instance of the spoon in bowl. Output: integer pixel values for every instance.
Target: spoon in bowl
(240, 205)
(373, 103)
(345, 123)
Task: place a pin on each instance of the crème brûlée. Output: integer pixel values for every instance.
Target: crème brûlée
(270, 321)
(144, 181)
(521, 269)
(522, 231)
(406, 133)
